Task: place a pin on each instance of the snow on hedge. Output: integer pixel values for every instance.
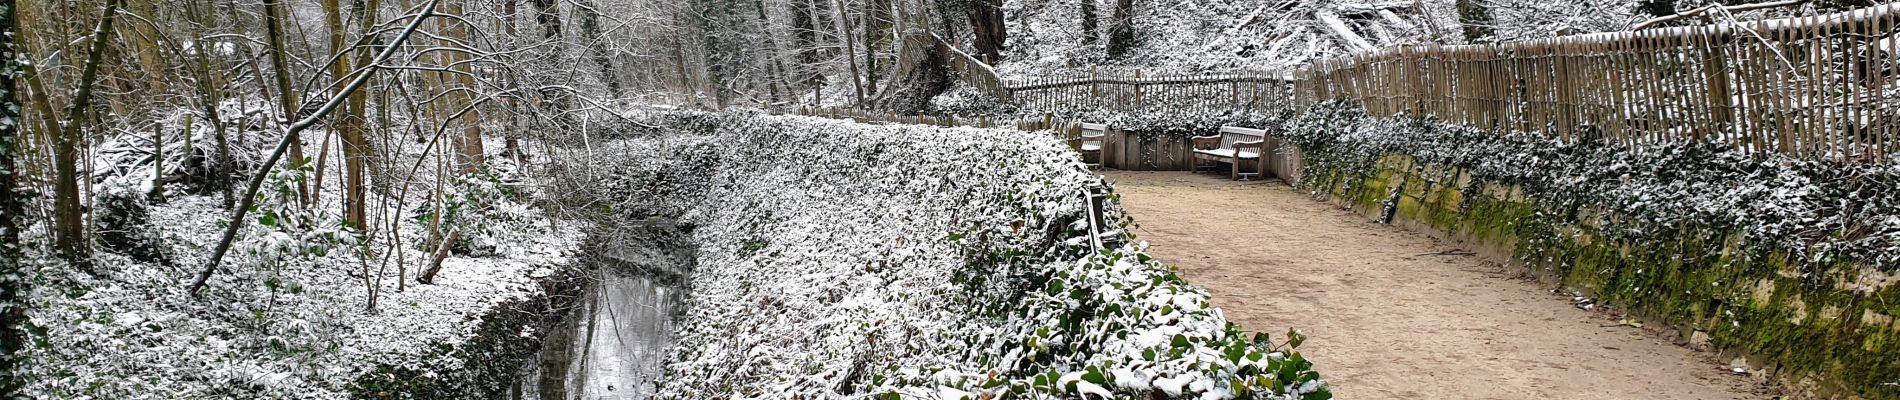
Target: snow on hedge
(893, 260)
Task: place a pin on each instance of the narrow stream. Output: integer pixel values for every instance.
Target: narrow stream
(613, 344)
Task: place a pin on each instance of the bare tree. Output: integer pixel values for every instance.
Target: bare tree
(69, 232)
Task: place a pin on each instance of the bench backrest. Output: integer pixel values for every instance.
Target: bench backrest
(1231, 134)
(1093, 130)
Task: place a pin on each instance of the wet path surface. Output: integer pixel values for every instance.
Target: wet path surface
(1388, 318)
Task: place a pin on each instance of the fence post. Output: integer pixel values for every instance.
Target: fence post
(1138, 98)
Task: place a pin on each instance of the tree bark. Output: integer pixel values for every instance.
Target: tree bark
(441, 253)
(209, 84)
(805, 43)
(850, 52)
(590, 29)
(986, 24)
(877, 27)
(286, 95)
(1088, 17)
(69, 232)
(918, 74)
(775, 81)
(469, 152)
(1475, 18)
(146, 42)
(1121, 33)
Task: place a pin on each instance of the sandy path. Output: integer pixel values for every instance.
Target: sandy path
(1387, 322)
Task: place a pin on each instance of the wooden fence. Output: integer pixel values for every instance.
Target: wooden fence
(1824, 86)
(1047, 121)
(1099, 89)
(1132, 90)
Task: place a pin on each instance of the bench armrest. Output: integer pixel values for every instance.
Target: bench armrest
(1258, 144)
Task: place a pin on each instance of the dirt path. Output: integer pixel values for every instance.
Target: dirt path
(1386, 321)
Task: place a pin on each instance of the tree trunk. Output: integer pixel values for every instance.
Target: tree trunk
(851, 56)
(1476, 20)
(357, 151)
(69, 232)
(510, 145)
(877, 27)
(776, 79)
(1121, 31)
(145, 39)
(805, 43)
(441, 253)
(711, 18)
(348, 126)
(986, 24)
(1088, 16)
(590, 30)
(286, 95)
(918, 74)
(209, 84)
(469, 152)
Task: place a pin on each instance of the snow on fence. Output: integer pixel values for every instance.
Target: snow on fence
(1131, 90)
(863, 116)
(1123, 89)
(1821, 87)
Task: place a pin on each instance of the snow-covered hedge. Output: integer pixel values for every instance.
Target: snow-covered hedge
(841, 259)
(1797, 260)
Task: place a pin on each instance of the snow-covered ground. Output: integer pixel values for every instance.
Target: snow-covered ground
(839, 258)
(289, 315)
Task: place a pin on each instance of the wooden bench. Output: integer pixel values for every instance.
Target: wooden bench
(1234, 146)
(1090, 141)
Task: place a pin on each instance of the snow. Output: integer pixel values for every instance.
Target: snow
(839, 258)
(288, 316)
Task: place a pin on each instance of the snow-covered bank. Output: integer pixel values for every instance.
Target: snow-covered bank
(842, 259)
(290, 315)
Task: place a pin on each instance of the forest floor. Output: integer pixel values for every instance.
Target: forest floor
(1387, 317)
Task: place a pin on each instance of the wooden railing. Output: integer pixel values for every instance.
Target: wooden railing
(973, 72)
(1824, 86)
(1045, 122)
(1131, 90)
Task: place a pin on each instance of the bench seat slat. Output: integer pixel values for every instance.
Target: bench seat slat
(1229, 153)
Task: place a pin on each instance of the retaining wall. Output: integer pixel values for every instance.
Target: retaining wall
(1835, 339)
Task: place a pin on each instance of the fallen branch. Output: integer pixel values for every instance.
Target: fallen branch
(1344, 32)
(257, 181)
(1653, 22)
(441, 253)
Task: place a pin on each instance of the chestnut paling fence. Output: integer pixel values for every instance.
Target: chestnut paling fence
(1823, 86)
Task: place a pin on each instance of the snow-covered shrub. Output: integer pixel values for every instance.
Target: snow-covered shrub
(288, 231)
(123, 224)
(839, 259)
(483, 207)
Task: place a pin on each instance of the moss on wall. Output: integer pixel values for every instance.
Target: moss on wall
(1816, 321)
